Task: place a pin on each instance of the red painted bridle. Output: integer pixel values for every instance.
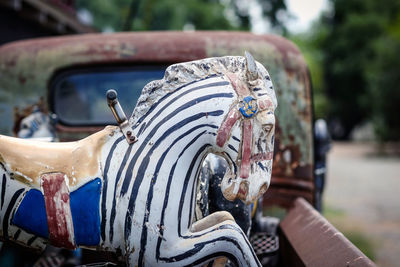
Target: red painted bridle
(233, 116)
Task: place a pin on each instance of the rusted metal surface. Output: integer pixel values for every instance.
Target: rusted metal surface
(27, 67)
(315, 242)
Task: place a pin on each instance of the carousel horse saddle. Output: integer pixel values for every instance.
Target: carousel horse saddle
(62, 198)
(80, 214)
(27, 160)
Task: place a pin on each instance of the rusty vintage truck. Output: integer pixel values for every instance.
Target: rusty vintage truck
(67, 77)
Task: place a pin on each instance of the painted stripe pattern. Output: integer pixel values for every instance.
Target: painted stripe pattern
(148, 190)
(11, 194)
(147, 199)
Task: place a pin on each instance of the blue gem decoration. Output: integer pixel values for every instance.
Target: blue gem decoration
(248, 106)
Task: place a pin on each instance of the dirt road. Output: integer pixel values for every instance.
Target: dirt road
(367, 189)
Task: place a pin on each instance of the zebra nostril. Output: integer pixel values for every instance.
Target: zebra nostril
(243, 190)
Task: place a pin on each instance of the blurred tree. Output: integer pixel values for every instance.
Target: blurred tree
(310, 44)
(274, 11)
(106, 14)
(361, 65)
(126, 15)
(383, 77)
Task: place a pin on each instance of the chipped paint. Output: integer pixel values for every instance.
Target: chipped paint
(246, 148)
(27, 67)
(225, 129)
(59, 219)
(77, 160)
(202, 96)
(213, 219)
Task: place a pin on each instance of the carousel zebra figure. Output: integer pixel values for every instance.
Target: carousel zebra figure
(131, 190)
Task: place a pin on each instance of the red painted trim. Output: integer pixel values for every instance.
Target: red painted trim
(246, 148)
(59, 219)
(240, 88)
(264, 104)
(226, 126)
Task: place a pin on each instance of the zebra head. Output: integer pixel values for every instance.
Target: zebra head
(245, 126)
(252, 118)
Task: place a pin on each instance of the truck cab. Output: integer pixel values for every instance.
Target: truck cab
(66, 78)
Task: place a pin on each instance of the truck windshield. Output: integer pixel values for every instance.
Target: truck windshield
(78, 97)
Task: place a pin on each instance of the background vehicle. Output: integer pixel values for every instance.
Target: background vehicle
(72, 74)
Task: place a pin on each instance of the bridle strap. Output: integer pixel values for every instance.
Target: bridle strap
(226, 126)
(247, 137)
(240, 87)
(242, 90)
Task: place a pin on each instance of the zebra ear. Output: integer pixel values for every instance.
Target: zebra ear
(251, 67)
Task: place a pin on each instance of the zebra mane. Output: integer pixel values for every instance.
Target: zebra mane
(180, 74)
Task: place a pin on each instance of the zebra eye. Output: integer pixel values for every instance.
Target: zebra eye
(267, 127)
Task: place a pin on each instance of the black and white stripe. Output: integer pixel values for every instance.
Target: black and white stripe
(149, 187)
(11, 194)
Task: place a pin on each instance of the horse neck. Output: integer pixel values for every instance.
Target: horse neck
(184, 121)
(173, 137)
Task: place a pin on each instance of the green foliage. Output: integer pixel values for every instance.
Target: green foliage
(310, 46)
(106, 13)
(125, 15)
(362, 242)
(347, 50)
(175, 14)
(383, 77)
(146, 15)
(350, 230)
(352, 53)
